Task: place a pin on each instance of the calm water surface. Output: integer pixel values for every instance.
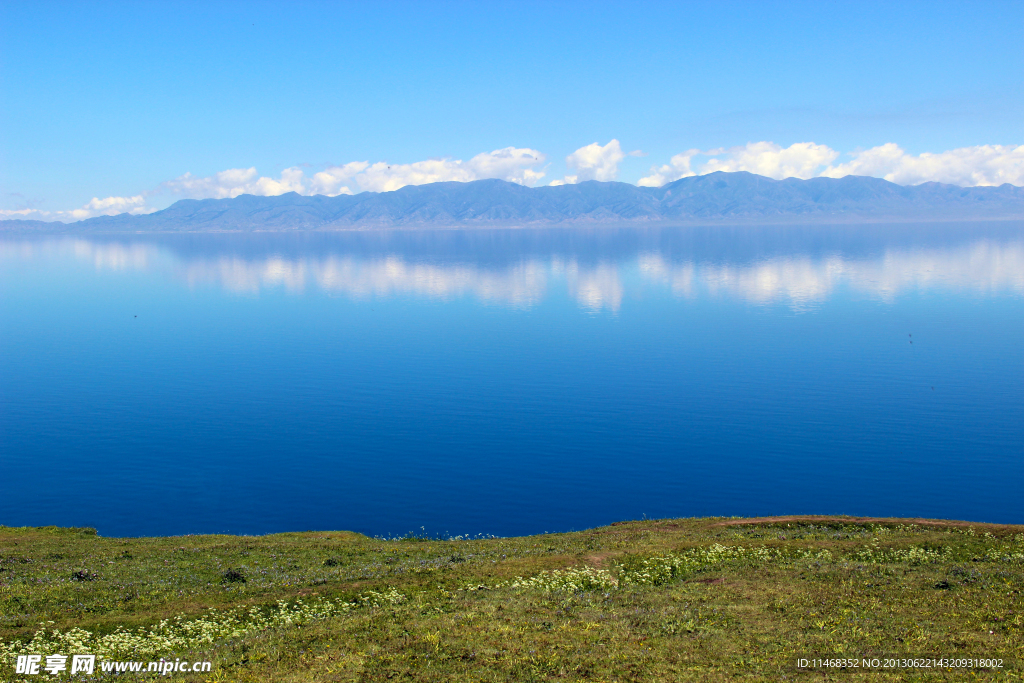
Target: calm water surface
(510, 382)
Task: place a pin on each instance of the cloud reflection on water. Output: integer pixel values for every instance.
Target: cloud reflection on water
(981, 266)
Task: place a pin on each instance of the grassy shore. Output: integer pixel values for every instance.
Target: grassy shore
(653, 600)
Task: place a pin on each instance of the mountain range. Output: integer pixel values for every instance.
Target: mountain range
(719, 197)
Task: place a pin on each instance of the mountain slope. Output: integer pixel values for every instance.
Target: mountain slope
(716, 197)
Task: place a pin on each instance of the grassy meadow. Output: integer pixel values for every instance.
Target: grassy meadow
(645, 601)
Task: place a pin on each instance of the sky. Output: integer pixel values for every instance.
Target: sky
(130, 106)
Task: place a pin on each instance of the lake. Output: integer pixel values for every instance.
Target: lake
(510, 381)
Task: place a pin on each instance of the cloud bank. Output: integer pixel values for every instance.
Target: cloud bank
(234, 182)
(966, 166)
(108, 206)
(517, 165)
(595, 162)
(511, 164)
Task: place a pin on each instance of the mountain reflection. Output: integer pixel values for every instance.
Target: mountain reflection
(599, 273)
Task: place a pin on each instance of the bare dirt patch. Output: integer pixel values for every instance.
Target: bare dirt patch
(599, 560)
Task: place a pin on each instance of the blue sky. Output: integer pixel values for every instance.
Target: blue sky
(119, 100)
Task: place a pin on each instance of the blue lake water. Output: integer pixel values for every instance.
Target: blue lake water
(510, 381)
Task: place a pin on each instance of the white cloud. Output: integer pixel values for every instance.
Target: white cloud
(511, 164)
(234, 182)
(108, 206)
(27, 214)
(799, 160)
(330, 181)
(677, 167)
(595, 162)
(567, 180)
(966, 166)
(111, 206)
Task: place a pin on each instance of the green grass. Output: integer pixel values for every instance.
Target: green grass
(653, 600)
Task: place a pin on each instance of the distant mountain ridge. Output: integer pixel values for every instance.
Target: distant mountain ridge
(716, 197)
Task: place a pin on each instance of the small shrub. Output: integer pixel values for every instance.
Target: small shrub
(965, 575)
(233, 576)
